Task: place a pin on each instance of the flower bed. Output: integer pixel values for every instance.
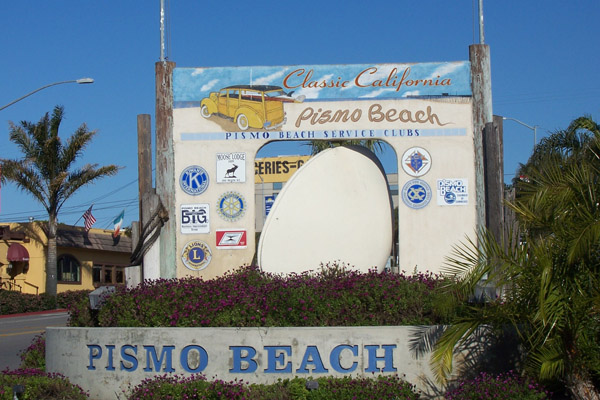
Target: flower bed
(250, 298)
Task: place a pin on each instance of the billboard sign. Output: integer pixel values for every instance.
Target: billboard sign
(277, 169)
(223, 116)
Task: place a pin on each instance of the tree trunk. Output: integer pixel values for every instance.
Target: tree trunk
(51, 276)
(581, 387)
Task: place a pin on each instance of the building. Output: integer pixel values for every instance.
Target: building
(85, 260)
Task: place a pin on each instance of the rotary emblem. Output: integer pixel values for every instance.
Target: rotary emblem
(231, 206)
(196, 255)
(416, 193)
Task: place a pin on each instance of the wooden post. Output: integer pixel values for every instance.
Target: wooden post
(494, 177)
(481, 85)
(165, 174)
(144, 132)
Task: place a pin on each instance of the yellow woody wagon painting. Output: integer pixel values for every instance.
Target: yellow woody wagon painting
(249, 106)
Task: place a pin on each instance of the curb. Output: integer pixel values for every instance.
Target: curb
(59, 310)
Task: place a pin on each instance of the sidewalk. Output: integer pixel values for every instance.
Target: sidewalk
(58, 310)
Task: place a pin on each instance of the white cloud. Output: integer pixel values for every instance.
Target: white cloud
(198, 71)
(376, 93)
(268, 80)
(209, 85)
(411, 93)
(444, 70)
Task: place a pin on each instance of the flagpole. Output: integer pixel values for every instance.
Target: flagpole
(78, 219)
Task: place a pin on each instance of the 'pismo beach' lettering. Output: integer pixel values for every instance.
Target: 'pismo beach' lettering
(376, 113)
(368, 78)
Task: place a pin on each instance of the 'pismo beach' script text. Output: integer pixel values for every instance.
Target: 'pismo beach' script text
(376, 113)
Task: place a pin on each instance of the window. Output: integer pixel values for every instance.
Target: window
(68, 269)
(394, 190)
(108, 275)
(277, 185)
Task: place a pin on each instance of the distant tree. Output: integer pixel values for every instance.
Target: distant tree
(550, 277)
(47, 172)
(317, 146)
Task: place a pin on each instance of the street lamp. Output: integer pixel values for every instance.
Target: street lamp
(533, 128)
(80, 81)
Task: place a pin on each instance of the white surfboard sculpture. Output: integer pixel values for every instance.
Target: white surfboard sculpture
(336, 208)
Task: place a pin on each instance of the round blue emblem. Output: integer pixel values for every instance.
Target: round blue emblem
(449, 197)
(196, 255)
(194, 180)
(416, 193)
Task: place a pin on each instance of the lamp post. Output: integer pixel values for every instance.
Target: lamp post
(80, 81)
(533, 128)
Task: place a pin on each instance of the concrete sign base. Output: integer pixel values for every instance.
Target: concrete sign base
(108, 361)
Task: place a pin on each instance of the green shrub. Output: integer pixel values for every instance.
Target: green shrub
(12, 302)
(34, 356)
(66, 299)
(196, 386)
(248, 297)
(329, 388)
(507, 386)
(39, 385)
(79, 312)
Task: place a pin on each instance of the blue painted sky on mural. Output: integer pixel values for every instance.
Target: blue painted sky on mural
(544, 66)
(376, 81)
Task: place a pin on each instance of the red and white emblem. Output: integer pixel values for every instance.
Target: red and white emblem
(231, 238)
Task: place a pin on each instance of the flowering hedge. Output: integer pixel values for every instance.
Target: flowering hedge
(248, 297)
(12, 302)
(38, 384)
(198, 387)
(508, 386)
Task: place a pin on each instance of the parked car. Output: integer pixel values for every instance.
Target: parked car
(249, 106)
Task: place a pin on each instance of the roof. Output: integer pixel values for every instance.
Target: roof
(262, 88)
(93, 240)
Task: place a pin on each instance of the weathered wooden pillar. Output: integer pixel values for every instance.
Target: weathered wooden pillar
(165, 174)
(481, 85)
(494, 177)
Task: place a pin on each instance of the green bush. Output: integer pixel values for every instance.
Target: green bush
(34, 356)
(248, 297)
(507, 386)
(197, 387)
(12, 302)
(39, 385)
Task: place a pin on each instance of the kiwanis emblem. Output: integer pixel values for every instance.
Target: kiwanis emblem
(231, 206)
(416, 161)
(194, 180)
(416, 193)
(196, 255)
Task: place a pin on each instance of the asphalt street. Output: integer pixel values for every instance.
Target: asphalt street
(17, 332)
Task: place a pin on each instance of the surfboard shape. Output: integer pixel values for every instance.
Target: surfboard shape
(335, 208)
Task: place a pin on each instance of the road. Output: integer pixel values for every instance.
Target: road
(17, 332)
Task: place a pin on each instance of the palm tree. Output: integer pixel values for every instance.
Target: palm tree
(317, 146)
(48, 173)
(549, 279)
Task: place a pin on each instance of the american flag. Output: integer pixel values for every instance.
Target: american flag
(88, 218)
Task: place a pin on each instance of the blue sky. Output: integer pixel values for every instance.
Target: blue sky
(544, 57)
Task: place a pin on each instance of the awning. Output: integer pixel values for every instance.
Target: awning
(17, 252)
